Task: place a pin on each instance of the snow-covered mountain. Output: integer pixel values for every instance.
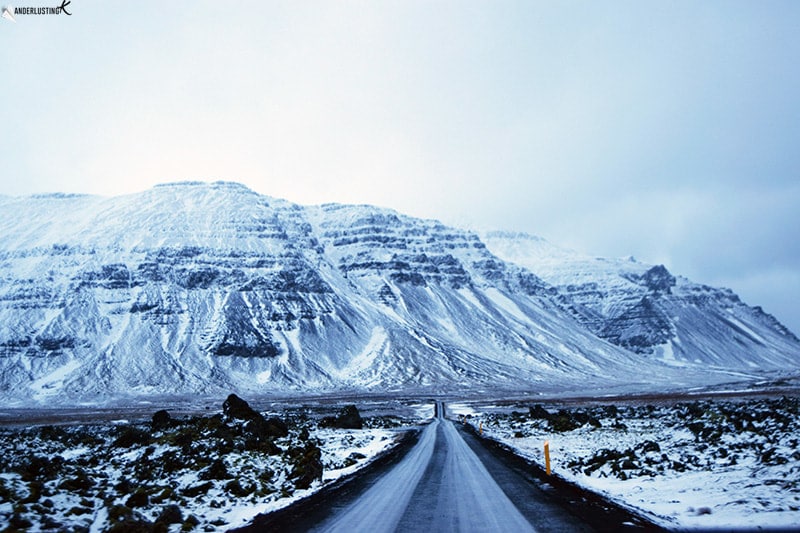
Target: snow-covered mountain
(206, 288)
(646, 309)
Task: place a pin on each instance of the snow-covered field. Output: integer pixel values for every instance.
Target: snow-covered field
(694, 464)
(198, 473)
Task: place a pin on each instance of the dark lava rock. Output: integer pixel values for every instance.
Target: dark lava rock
(138, 499)
(235, 407)
(266, 446)
(307, 465)
(18, 522)
(40, 468)
(538, 412)
(124, 486)
(257, 430)
(131, 436)
(648, 446)
(277, 427)
(190, 523)
(563, 421)
(80, 482)
(171, 514)
(235, 488)
(354, 458)
(161, 420)
(348, 418)
(583, 418)
(197, 490)
(131, 526)
(217, 470)
(263, 428)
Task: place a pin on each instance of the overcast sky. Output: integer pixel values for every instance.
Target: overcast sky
(665, 130)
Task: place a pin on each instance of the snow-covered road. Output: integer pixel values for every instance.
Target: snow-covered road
(458, 493)
(441, 485)
(382, 506)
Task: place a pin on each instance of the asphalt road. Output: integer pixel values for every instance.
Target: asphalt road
(442, 485)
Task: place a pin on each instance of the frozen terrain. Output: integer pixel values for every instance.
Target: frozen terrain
(194, 289)
(200, 473)
(706, 464)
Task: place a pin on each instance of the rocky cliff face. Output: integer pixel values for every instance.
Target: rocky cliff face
(203, 288)
(647, 310)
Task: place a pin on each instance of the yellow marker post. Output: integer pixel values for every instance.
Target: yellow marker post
(547, 456)
(480, 428)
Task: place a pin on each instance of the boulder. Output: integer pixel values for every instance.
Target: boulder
(236, 408)
(161, 420)
(348, 418)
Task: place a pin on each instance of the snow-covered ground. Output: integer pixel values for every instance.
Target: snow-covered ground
(193, 473)
(699, 464)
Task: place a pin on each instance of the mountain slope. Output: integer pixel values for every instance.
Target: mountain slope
(646, 309)
(205, 288)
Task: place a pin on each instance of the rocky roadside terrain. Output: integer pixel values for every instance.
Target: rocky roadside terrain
(686, 464)
(197, 473)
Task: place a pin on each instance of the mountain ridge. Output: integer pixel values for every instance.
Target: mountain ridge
(596, 282)
(201, 288)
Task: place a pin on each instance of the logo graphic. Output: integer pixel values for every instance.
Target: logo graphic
(9, 12)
